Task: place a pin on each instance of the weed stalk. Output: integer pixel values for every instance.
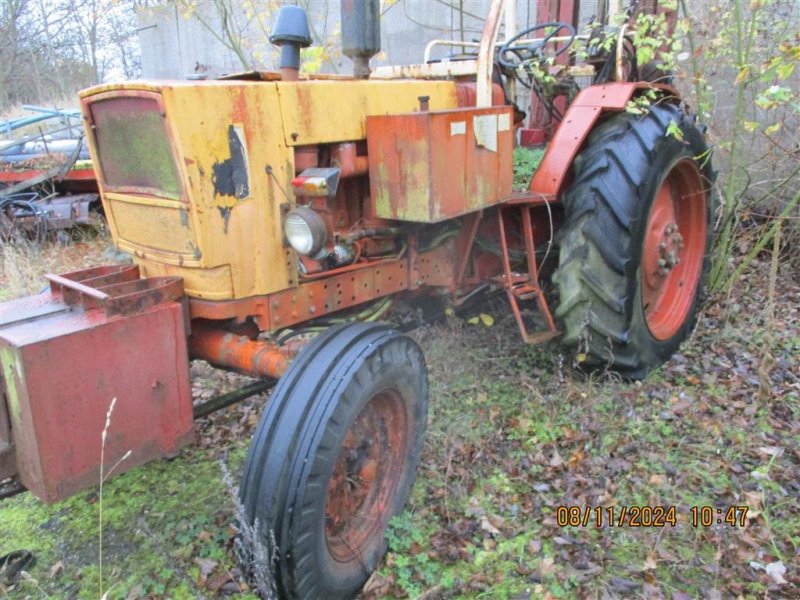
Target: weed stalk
(103, 477)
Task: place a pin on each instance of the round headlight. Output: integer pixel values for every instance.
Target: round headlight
(305, 231)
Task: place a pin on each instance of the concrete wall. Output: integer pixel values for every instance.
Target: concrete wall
(174, 46)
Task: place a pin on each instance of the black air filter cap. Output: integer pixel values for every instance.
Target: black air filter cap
(291, 26)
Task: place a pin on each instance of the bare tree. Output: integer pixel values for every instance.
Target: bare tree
(49, 49)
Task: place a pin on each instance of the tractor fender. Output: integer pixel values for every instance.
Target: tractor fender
(578, 122)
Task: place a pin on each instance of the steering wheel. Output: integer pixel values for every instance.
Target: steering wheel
(533, 50)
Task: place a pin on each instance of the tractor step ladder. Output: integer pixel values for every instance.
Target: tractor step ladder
(524, 286)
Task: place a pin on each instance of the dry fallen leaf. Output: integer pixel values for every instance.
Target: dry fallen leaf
(487, 526)
(206, 565)
(136, 592)
(204, 536)
(547, 565)
(651, 563)
(776, 571)
(56, 569)
(771, 450)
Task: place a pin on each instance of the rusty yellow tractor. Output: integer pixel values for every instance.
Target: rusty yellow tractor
(275, 219)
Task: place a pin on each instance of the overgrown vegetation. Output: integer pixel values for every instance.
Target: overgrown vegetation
(526, 161)
(23, 262)
(747, 54)
(513, 434)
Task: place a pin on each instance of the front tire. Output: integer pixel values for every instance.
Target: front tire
(636, 241)
(334, 458)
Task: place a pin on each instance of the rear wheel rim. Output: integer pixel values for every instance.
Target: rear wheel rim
(674, 249)
(365, 477)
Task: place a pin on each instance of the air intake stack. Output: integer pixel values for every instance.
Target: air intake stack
(291, 33)
(361, 33)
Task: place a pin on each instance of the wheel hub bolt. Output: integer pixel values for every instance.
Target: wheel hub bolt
(673, 259)
(668, 250)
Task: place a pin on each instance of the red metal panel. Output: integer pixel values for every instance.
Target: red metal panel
(72, 175)
(438, 267)
(467, 94)
(430, 166)
(58, 404)
(8, 463)
(331, 292)
(337, 292)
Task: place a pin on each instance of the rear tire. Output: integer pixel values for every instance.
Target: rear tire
(636, 240)
(334, 458)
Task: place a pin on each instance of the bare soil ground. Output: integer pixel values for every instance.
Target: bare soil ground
(514, 434)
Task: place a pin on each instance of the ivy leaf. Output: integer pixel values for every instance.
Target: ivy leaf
(785, 70)
(675, 131)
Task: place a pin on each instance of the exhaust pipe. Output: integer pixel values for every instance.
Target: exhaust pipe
(361, 33)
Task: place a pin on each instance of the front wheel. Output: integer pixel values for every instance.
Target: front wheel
(334, 458)
(636, 241)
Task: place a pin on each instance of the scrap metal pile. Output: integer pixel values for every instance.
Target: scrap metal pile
(46, 178)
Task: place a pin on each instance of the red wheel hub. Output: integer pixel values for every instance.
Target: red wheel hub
(674, 246)
(366, 474)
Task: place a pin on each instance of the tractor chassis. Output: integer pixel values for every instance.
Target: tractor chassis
(226, 333)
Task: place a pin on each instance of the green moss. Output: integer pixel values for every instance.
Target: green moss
(157, 518)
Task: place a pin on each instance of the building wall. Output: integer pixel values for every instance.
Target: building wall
(174, 46)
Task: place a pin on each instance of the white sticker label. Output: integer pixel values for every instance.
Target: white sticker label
(486, 131)
(503, 122)
(458, 128)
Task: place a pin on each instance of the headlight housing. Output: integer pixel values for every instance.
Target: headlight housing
(305, 230)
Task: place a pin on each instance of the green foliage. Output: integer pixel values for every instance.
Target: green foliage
(745, 41)
(640, 103)
(654, 42)
(526, 161)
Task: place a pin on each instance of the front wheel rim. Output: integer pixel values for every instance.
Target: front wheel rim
(674, 249)
(366, 476)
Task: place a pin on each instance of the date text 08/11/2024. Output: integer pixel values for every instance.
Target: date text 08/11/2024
(649, 516)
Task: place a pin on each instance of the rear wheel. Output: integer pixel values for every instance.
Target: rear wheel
(636, 240)
(334, 458)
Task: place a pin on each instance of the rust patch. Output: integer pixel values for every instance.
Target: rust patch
(239, 108)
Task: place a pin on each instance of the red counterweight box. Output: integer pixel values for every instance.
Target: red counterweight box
(98, 334)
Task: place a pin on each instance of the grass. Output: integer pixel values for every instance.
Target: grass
(23, 262)
(513, 435)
